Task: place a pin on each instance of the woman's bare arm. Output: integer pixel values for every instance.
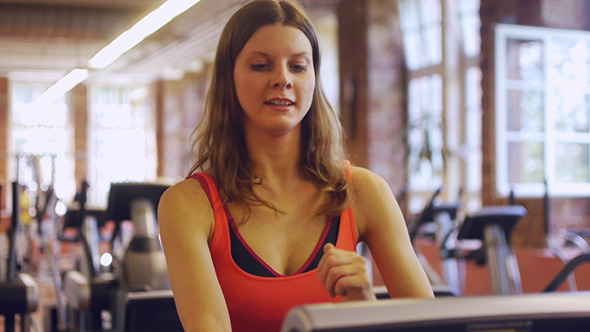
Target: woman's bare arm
(186, 222)
(382, 227)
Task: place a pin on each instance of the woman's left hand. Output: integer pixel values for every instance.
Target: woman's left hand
(345, 273)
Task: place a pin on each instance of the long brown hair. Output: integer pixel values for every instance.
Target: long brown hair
(220, 146)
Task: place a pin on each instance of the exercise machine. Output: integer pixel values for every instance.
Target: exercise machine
(441, 218)
(493, 225)
(150, 311)
(520, 313)
(139, 265)
(19, 292)
(557, 243)
(20, 298)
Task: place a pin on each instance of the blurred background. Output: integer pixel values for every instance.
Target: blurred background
(487, 100)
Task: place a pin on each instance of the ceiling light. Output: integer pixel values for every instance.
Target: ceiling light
(62, 86)
(145, 27)
(126, 41)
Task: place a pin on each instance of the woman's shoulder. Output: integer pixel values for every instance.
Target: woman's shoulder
(372, 195)
(185, 200)
(188, 188)
(364, 179)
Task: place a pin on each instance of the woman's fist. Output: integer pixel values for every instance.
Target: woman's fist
(345, 273)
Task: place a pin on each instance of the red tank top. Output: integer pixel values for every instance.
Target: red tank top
(260, 303)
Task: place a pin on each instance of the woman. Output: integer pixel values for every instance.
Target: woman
(271, 213)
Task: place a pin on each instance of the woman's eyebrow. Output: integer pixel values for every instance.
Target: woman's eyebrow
(304, 53)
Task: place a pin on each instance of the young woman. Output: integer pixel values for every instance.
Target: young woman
(271, 212)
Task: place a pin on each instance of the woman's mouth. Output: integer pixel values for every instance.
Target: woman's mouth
(279, 102)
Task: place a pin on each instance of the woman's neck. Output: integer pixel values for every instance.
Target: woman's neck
(276, 160)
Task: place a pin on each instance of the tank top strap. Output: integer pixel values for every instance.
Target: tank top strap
(221, 227)
(347, 216)
(201, 177)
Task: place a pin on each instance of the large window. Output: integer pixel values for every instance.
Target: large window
(421, 26)
(443, 88)
(39, 141)
(121, 145)
(542, 111)
(122, 139)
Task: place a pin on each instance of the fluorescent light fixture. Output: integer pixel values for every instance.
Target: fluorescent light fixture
(145, 27)
(62, 86)
(126, 41)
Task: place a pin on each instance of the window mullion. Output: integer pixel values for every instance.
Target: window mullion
(501, 130)
(549, 119)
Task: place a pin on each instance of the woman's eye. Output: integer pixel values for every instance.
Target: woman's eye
(259, 66)
(299, 68)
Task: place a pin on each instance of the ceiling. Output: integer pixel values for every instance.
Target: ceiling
(42, 40)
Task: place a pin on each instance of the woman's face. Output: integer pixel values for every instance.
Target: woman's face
(275, 79)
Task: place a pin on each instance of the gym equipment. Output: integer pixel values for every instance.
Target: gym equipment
(19, 292)
(557, 242)
(438, 290)
(86, 222)
(150, 311)
(20, 297)
(566, 272)
(566, 237)
(443, 218)
(139, 266)
(494, 225)
(530, 313)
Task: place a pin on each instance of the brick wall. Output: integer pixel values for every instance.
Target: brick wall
(79, 120)
(373, 87)
(386, 111)
(179, 108)
(352, 38)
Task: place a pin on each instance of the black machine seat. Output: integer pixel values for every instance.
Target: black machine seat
(505, 216)
(431, 212)
(122, 193)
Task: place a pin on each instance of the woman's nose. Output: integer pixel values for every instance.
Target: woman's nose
(282, 79)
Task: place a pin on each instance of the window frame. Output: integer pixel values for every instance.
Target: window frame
(548, 136)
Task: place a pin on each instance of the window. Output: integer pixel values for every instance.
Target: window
(433, 88)
(421, 25)
(39, 142)
(422, 32)
(470, 151)
(122, 140)
(542, 111)
(425, 132)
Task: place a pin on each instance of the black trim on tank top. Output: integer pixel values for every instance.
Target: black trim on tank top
(250, 264)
